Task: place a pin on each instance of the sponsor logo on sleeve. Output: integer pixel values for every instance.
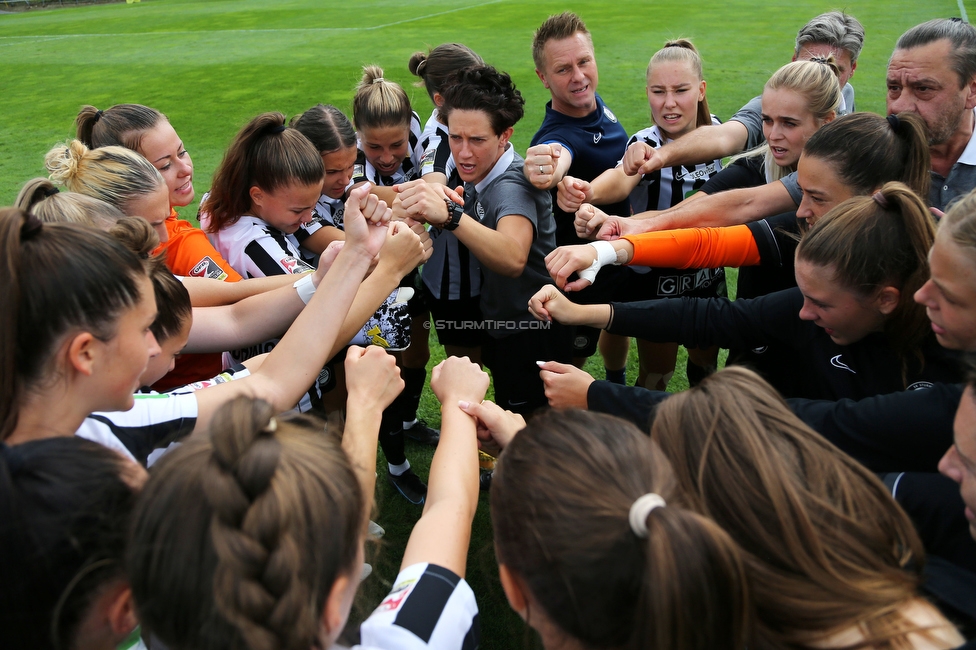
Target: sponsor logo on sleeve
(292, 265)
(396, 597)
(208, 268)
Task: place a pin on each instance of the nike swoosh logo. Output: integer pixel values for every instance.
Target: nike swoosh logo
(511, 403)
(837, 363)
(597, 137)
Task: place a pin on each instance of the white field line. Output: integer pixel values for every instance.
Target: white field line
(19, 40)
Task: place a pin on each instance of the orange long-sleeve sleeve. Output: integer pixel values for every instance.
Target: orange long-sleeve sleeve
(695, 248)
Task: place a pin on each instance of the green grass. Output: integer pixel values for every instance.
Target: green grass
(211, 65)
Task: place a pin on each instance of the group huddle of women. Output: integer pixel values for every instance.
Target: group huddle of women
(132, 340)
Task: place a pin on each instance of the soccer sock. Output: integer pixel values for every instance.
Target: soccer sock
(616, 376)
(413, 387)
(398, 470)
(391, 437)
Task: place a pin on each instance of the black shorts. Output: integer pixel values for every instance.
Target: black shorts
(512, 361)
(457, 322)
(417, 305)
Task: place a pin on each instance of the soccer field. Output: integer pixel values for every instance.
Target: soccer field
(211, 65)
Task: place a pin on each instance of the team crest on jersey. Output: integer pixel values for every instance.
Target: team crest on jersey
(292, 265)
(478, 208)
(207, 268)
(920, 385)
(610, 115)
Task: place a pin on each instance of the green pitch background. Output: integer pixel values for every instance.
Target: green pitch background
(210, 65)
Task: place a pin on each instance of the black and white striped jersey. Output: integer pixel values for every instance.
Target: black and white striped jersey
(256, 249)
(154, 421)
(429, 608)
(667, 187)
(327, 212)
(409, 168)
(435, 145)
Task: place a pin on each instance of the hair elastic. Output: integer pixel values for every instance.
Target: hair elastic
(271, 427)
(378, 80)
(641, 509)
(98, 115)
(51, 191)
(893, 121)
(30, 227)
(279, 129)
(880, 199)
(819, 59)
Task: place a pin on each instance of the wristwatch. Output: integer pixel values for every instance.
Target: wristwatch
(454, 212)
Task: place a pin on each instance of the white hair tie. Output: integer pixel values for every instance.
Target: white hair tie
(378, 80)
(640, 510)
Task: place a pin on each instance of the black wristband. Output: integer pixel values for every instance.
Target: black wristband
(454, 212)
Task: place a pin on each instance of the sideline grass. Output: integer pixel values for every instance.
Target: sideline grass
(211, 65)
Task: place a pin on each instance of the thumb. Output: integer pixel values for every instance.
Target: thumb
(555, 149)
(555, 367)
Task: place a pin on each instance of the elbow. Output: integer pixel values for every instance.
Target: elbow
(514, 268)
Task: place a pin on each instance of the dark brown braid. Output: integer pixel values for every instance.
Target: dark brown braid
(252, 563)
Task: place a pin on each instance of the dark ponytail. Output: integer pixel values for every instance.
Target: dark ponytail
(876, 241)
(439, 66)
(265, 154)
(54, 279)
(326, 127)
(866, 151)
(122, 125)
(64, 513)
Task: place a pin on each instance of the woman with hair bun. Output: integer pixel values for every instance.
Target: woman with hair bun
(42, 198)
(149, 133)
(451, 278)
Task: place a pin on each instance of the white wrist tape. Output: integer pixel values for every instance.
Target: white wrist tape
(605, 254)
(305, 287)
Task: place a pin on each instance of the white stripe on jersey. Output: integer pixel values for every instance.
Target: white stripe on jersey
(436, 147)
(256, 249)
(151, 421)
(668, 186)
(429, 608)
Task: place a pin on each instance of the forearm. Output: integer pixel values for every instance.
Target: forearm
(729, 208)
(295, 362)
(612, 186)
(359, 439)
(206, 292)
(705, 144)
(495, 250)
(443, 533)
(693, 248)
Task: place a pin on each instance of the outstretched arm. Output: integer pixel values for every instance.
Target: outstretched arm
(298, 358)
(704, 144)
(443, 533)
